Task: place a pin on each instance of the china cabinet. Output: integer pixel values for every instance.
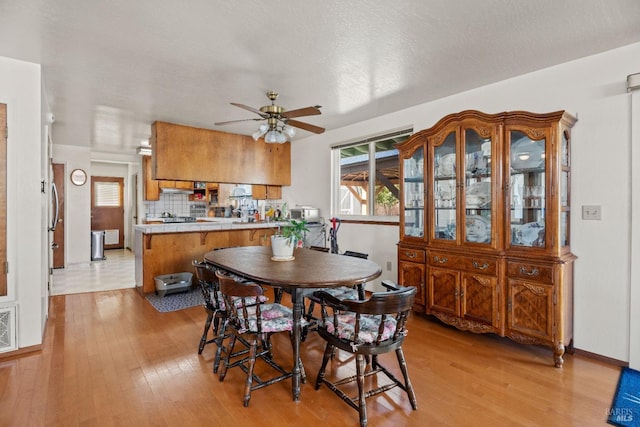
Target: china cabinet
(484, 224)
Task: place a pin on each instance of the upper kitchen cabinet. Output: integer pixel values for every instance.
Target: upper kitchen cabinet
(151, 188)
(266, 192)
(192, 154)
(486, 197)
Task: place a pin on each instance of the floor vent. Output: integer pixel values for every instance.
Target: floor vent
(7, 329)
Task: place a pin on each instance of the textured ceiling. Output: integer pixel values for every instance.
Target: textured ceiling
(111, 68)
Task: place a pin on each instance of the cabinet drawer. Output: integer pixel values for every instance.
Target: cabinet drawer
(445, 260)
(481, 265)
(526, 270)
(467, 263)
(411, 255)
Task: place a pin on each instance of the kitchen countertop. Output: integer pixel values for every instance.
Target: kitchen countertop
(204, 224)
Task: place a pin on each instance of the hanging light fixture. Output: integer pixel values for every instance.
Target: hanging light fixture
(261, 131)
(274, 134)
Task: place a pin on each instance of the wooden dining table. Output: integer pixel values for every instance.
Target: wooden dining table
(309, 271)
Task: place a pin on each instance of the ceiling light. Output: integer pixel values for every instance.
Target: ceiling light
(261, 131)
(289, 131)
(524, 156)
(274, 134)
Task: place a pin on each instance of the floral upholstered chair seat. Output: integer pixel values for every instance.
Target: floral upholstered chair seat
(369, 327)
(273, 318)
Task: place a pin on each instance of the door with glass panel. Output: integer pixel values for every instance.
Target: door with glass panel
(528, 189)
(107, 209)
(444, 189)
(478, 186)
(414, 194)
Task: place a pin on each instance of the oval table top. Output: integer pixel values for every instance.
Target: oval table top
(308, 269)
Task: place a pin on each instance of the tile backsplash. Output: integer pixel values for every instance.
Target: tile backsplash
(175, 204)
(178, 204)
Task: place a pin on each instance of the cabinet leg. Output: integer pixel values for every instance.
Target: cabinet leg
(558, 352)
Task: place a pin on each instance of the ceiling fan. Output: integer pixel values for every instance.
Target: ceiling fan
(279, 126)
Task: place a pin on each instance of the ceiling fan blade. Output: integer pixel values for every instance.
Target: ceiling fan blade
(253, 110)
(305, 126)
(235, 121)
(307, 111)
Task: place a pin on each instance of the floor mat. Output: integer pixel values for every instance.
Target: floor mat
(625, 410)
(175, 302)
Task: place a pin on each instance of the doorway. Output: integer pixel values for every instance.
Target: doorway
(107, 209)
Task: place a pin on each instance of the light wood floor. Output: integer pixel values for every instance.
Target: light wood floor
(111, 359)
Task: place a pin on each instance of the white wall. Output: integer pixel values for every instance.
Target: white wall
(594, 89)
(20, 89)
(77, 204)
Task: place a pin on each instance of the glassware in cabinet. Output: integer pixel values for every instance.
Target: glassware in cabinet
(414, 194)
(478, 194)
(528, 189)
(445, 189)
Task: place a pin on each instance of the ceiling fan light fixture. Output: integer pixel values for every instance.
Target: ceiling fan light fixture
(261, 131)
(289, 131)
(280, 124)
(275, 136)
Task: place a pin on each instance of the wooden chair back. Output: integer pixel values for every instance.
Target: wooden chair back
(396, 304)
(208, 283)
(238, 297)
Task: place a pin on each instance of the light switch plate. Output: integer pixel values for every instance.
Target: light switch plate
(592, 212)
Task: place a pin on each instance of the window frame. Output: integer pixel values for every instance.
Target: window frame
(405, 131)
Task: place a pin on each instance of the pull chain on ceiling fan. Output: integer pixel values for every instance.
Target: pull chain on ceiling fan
(279, 127)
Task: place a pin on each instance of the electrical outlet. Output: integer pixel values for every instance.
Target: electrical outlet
(388, 265)
(592, 212)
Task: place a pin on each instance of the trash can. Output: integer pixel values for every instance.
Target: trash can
(97, 245)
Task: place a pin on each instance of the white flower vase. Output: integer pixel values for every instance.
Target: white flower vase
(282, 247)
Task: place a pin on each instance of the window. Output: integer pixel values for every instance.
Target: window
(107, 194)
(354, 163)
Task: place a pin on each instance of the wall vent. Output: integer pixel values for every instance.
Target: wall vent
(7, 329)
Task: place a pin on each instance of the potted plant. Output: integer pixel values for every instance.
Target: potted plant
(287, 239)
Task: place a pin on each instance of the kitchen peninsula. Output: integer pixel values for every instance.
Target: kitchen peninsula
(170, 248)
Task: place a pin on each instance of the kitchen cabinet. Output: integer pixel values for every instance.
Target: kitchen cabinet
(178, 185)
(487, 197)
(194, 154)
(151, 189)
(266, 192)
(211, 193)
(205, 192)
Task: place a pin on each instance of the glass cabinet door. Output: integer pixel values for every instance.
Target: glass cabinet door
(444, 189)
(565, 184)
(477, 188)
(414, 194)
(528, 190)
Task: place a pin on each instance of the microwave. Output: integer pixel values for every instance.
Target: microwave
(305, 213)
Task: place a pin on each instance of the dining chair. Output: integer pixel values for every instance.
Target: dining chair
(366, 328)
(208, 286)
(217, 314)
(255, 323)
(341, 292)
